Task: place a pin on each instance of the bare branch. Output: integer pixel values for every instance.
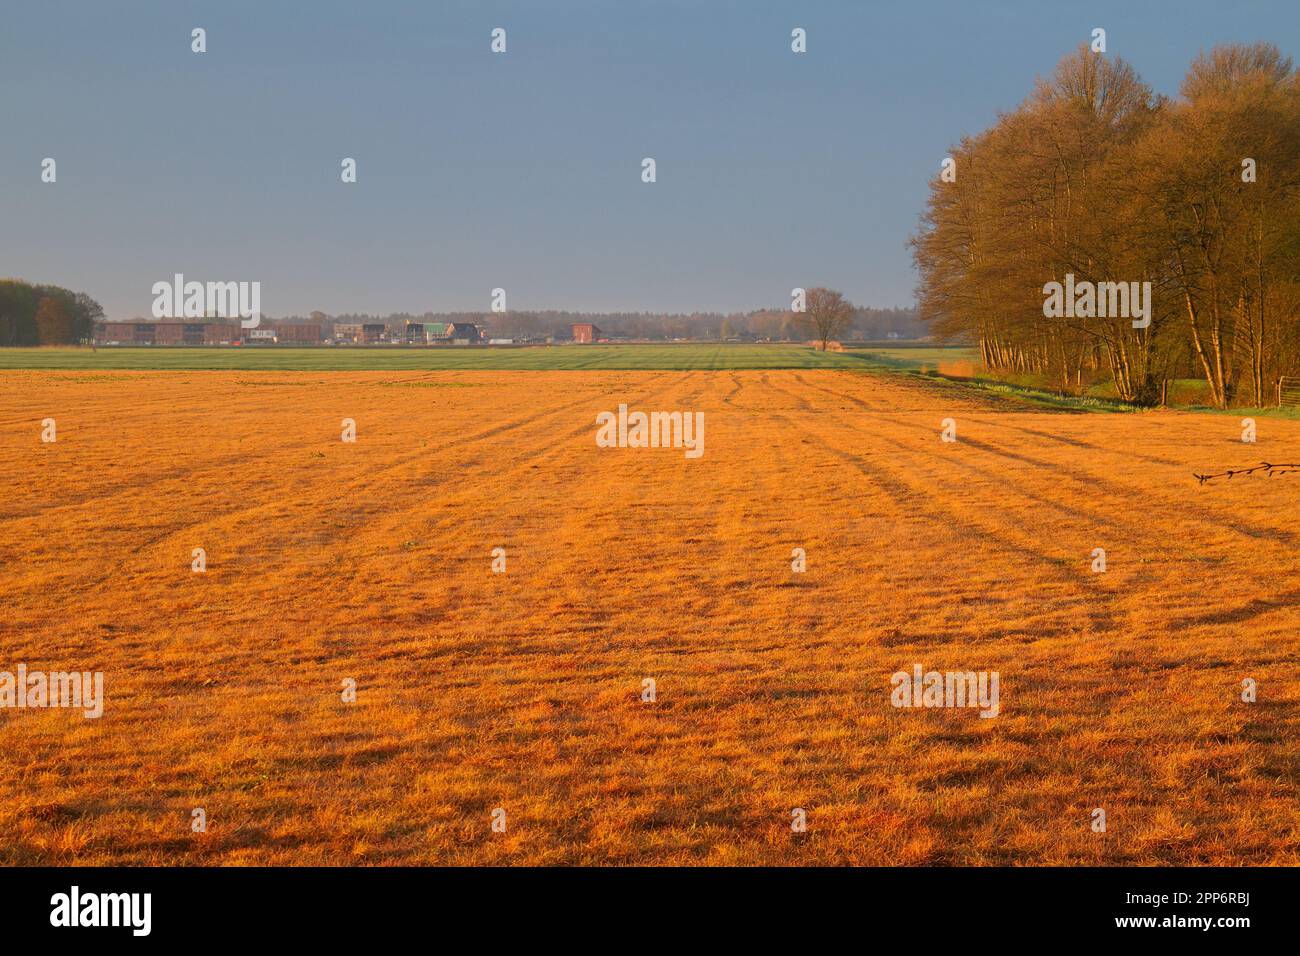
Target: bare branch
(1268, 469)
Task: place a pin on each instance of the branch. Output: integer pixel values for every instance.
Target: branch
(1269, 471)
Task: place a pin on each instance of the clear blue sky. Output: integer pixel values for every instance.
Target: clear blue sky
(521, 170)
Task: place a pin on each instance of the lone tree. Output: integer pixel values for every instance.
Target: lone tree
(827, 312)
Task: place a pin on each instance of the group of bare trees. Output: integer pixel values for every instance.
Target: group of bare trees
(1097, 177)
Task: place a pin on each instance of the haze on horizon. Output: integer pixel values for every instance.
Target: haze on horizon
(522, 170)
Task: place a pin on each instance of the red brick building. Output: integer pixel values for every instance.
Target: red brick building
(222, 333)
(166, 333)
(586, 332)
(297, 334)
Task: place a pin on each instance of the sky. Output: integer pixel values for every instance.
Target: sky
(522, 170)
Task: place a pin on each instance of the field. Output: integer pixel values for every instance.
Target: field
(523, 690)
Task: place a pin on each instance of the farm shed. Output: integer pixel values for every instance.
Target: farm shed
(585, 332)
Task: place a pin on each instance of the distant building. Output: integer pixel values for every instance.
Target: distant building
(427, 333)
(222, 333)
(166, 333)
(464, 333)
(124, 333)
(297, 333)
(586, 332)
(442, 333)
(367, 333)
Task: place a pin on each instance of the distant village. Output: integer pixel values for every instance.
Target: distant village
(270, 332)
(322, 330)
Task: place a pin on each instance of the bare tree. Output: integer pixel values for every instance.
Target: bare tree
(827, 313)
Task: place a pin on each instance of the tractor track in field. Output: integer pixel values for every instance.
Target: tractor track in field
(1088, 479)
(523, 689)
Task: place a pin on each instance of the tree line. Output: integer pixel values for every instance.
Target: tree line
(49, 315)
(45, 314)
(1095, 179)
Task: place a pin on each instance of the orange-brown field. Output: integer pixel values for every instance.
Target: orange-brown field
(523, 690)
